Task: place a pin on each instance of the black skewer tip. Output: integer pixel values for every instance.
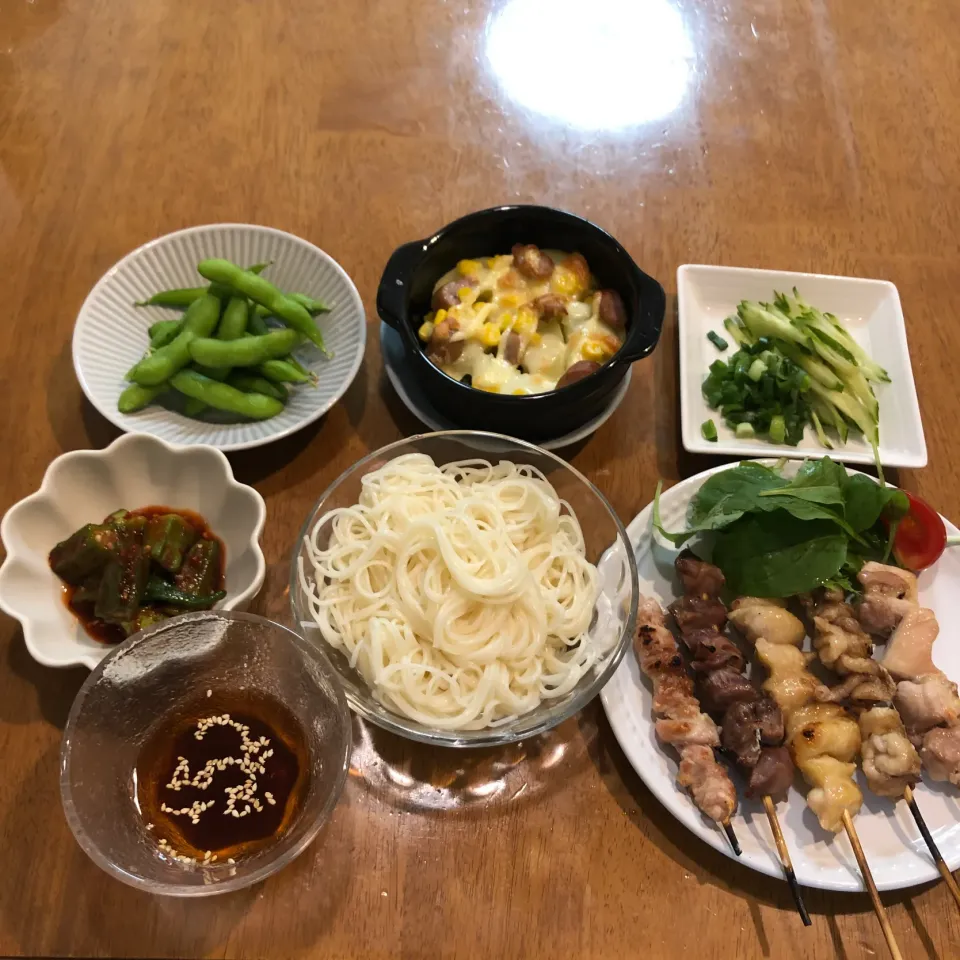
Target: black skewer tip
(797, 896)
(924, 830)
(732, 837)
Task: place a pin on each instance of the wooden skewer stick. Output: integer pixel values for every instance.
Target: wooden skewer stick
(878, 906)
(932, 846)
(732, 837)
(785, 861)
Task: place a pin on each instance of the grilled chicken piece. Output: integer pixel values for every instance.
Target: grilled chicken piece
(712, 651)
(698, 577)
(680, 721)
(861, 688)
(824, 741)
(773, 774)
(833, 790)
(756, 618)
(941, 754)
(713, 791)
(889, 594)
(840, 643)
(698, 613)
(890, 761)
(790, 684)
(927, 702)
(909, 652)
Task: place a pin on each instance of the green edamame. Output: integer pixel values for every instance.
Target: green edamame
(225, 292)
(178, 299)
(193, 407)
(162, 332)
(222, 396)
(136, 397)
(249, 383)
(257, 325)
(245, 352)
(261, 291)
(281, 371)
(233, 323)
(200, 320)
(312, 306)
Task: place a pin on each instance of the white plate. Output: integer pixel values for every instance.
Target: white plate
(417, 402)
(111, 334)
(891, 841)
(84, 486)
(870, 309)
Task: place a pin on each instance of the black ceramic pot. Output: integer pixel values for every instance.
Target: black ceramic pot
(403, 299)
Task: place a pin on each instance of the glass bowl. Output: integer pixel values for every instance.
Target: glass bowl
(138, 685)
(615, 612)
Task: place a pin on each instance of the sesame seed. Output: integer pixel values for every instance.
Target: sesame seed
(209, 693)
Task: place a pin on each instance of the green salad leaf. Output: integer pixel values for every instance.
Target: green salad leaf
(774, 537)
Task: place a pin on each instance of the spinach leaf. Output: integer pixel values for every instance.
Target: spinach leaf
(865, 500)
(819, 481)
(778, 555)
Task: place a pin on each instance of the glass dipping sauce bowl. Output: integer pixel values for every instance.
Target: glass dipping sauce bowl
(607, 545)
(141, 683)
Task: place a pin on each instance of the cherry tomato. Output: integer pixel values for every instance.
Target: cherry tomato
(921, 536)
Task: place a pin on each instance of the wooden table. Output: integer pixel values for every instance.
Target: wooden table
(802, 134)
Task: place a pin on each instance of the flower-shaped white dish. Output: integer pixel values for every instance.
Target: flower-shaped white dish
(110, 335)
(84, 487)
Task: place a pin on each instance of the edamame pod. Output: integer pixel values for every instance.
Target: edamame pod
(256, 325)
(224, 292)
(312, 306)
(249, 383)
(136, 397)
(282, 371)
(162, 332)
(233, 323)
(261, 291)
(178, 299)
(200, 320)
(222, 396)
(245, 352)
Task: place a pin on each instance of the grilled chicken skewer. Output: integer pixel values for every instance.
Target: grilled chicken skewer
(823, 738)
(681, 723)
(891, 605)
(751, 723)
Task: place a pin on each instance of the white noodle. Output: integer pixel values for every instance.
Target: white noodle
(461, 593)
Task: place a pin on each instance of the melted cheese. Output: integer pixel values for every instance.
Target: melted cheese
(492, 311)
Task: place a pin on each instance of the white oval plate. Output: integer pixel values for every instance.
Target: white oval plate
(111, 334)
(416, 401)
(891, 841)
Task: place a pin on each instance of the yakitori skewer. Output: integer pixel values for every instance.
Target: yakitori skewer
(680, 721)
(891, 606)
(751, 723)
(824, 738)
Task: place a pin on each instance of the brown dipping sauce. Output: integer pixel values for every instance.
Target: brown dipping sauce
(113, 633)
(266, 782)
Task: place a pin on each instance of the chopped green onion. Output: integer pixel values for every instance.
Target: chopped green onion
(745, 431)
(778, 429)
(717, 341)
(757, 369)
(708, 430)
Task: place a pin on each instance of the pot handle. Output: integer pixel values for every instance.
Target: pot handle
(648, 322)
(395, 283)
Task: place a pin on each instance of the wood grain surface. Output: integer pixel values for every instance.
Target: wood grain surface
(808, 134)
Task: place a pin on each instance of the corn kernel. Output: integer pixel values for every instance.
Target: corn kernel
(426, 331)
(491, 262)
(510, 300)
(490, 335)
(464, 293)
(592, 350)
(536, 340)
(526, 324)
(507, 319)
(519, 393)
(468, 268)
(440, 317)
(564, 282)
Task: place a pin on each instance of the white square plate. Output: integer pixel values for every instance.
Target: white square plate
(870, 309)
